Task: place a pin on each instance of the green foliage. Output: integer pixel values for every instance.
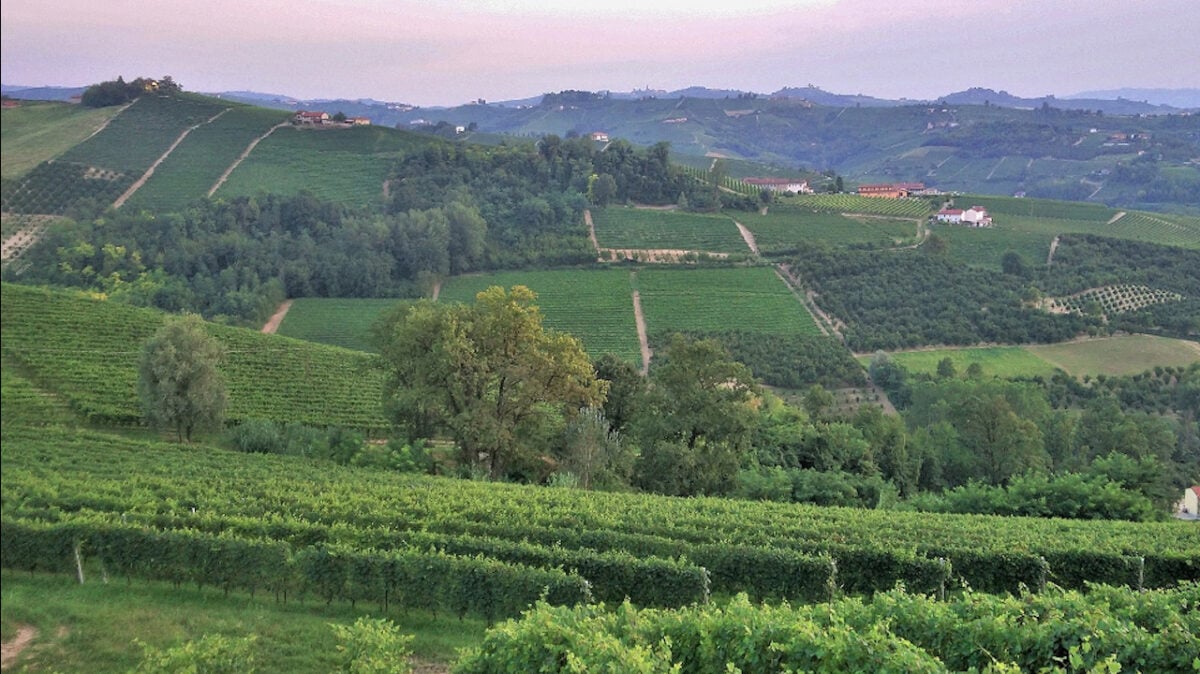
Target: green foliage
(178, 381)
(489, 374)
(1072, 496)
(372, 647)
(211, 654)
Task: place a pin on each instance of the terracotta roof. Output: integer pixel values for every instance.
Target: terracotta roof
(1197, 490)
(950, 211)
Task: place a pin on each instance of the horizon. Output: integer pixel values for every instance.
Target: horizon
(447, 52)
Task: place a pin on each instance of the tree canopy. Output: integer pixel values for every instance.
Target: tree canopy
(178, 382)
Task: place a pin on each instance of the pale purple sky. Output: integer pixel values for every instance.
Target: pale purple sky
(452, 51)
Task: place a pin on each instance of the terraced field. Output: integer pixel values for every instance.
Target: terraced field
(344, 322)
(594, 305)
(785, 227)
(197, 163)
(642, 229)
(341, 165)
(85, 351)
(751, 299)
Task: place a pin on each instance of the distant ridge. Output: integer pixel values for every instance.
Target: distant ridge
(1179, 98)
(1119, 106)
(41, 93)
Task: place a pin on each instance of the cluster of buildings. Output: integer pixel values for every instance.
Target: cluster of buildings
(320, 118)
(975, 216)
(896, 190)
(790, 185)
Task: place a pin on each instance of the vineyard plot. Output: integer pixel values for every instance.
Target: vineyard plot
(782, 229)
(344, 322)
(752, 299)
(643, 229)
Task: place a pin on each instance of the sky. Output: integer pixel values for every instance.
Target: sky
(447, 52)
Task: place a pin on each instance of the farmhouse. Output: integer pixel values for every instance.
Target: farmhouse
(600, 136)
(358, 121)
(975, 216)
(792, 185)
(890, 190)
(1189, 505)
(314, 118)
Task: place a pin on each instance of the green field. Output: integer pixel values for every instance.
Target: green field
(344, 322)
(852, 203)
(1126, 355)
(85, 352)
(594, 305)
(632, 228)
(139, 135)
(986, 246)
(784, 227)
(341, 165)
(198, 162)
(751, 299)
(36, 132)
(996, 361)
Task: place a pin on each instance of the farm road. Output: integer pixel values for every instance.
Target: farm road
(246, 153)
(747, 236)
(150, 171)
(276, 318)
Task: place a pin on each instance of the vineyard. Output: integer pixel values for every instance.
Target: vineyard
(594, 305)
(781, 229)
(852, 203)
(344, 322)
(85, 351)
(341, 165)
(186, 514)
(641, 229)
(751, 299)
(196, 165)
(1110, 300)
(38, 132)
(986, 246)
(55, 187)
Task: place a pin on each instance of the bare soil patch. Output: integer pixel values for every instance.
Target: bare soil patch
(11, 650)
(276, 318)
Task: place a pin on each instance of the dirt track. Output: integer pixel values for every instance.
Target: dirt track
(276, 318)
(150, 171)
(12, 649)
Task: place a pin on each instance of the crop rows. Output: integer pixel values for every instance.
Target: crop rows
(641, 229)
(751, 299)
(134, 139)
(86, 351)
(852, 203)
(1114, 299)
(594, 305)
(341, 165)
(1038, 208)
(198, 162)
(782, 229)
(53, 188)
(744, 546)
(344, 322)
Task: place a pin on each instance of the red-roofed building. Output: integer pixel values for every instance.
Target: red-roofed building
(890, 190)
(314, 117)
(1190, 504)
(792, 185)
(950, 215)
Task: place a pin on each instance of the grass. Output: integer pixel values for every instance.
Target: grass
(92, 627)
(1125, 355)
(594, 305)
(751, 299)
(36, 132)
(986, 246)
(344, 322)
(198, 162)
(341, 165)
(782, 228)
(631, 228)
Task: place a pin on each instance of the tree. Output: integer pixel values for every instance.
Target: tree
(602, 189)
(945, 368)
(817, 400)
(178, 381)
(487, 374)
(593, 452)
(1013, 264)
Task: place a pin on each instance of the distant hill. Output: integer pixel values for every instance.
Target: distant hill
(822, 97)
(41, 93)
(1179, 98)
(1114, 106)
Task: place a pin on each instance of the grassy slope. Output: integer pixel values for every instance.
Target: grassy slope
(784, 228)
(344, 322)
(36, 132)
(342, 165)
(86, 351)
(91, 628)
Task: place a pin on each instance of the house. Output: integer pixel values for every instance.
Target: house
(600, 136)
(358, 121)
(890, 190)
(976, 216)
(314, 118)
(791, 185)
(952, 216)
(1189, 506)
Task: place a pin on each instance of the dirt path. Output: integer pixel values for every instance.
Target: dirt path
(150, 171)
(242, 157)
(12, 649)
(1116, 217)
(277, 318)
(437, 290)
(387, 189)
(591, 225)
(108, 121)
(643, 339)
(747, 236)
(1053, 247)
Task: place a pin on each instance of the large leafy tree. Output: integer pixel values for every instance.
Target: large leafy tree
(488, 374)
(178, 382)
